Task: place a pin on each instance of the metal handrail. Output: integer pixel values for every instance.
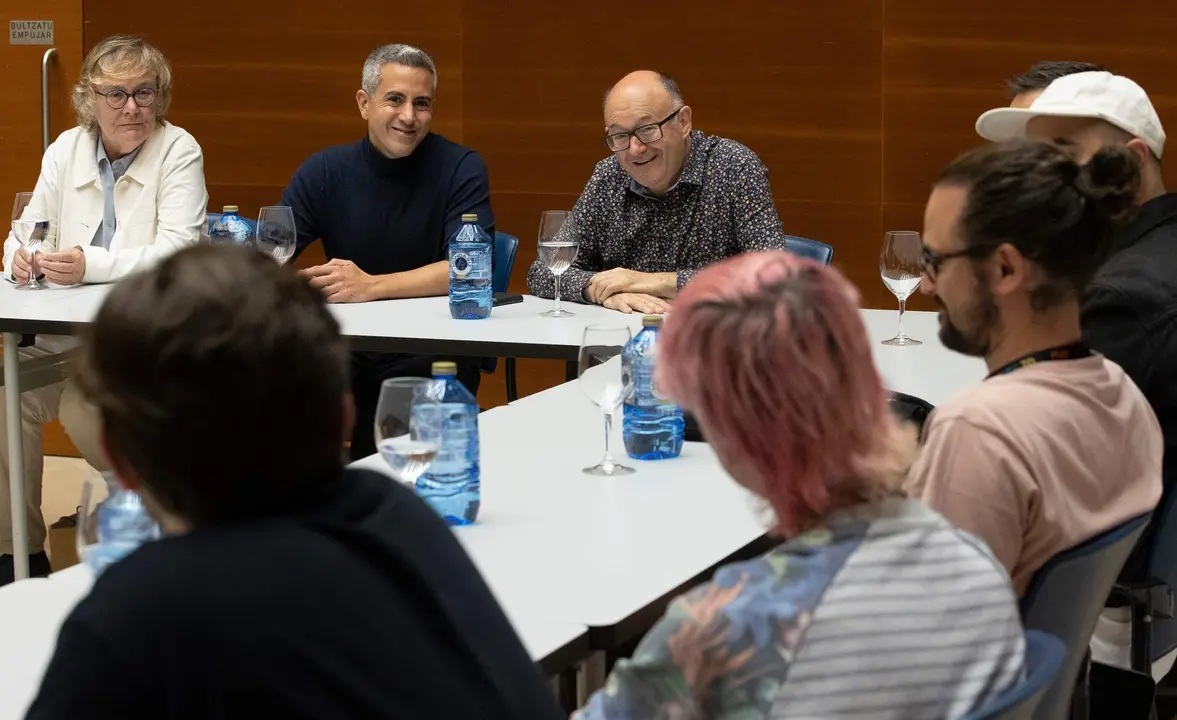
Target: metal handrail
(45, 97)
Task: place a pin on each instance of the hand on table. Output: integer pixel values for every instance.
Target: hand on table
(341, 281)
(636, 302)
(67, 267)
(608, 283)
(23, 264)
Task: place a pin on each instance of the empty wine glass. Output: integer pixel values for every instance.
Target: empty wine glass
(558, 243)
(25, 228)
(31, 232)
(901, 265)
(408, 425)
(276, 234)
(606, 382)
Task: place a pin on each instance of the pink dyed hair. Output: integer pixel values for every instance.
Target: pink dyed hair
(769, 351)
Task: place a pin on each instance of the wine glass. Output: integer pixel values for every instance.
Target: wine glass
(558, 243)
(901, 265)
(408, 425)
(25, 229)
(31, 232)
(276, 234)
(607, 383)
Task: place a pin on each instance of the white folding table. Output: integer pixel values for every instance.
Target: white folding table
(421, 325)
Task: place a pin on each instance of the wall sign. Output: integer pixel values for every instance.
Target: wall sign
(30, 32)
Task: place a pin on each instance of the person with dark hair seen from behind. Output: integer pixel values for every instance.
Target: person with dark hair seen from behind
(288, 586)
(1057, 444)
(668, 201)
(385, 208)
(1024, 89)
(1129, 310)
(769, 346)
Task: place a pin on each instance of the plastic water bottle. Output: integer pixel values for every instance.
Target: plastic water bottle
(451, 485)
(652, 428)
(471, 294)
(123, 525)
(230, 229)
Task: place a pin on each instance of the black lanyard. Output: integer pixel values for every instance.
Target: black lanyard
(1074, 351)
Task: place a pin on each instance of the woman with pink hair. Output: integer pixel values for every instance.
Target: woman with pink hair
(873, 605)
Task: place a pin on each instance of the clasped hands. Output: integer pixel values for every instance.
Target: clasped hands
(341, 281)
(631, 291)
(67, 267)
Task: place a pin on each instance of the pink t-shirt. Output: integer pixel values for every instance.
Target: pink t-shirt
(1038, 460)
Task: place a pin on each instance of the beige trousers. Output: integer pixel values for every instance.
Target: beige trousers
(40, 406)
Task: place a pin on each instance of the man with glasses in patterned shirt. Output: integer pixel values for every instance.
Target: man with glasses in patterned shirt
(670, 200)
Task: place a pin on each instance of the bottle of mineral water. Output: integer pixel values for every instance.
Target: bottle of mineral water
(230, 229)
(451, 485)
(653, 427)
(471, 295)
(123, 525)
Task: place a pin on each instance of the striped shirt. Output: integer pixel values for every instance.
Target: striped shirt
(886, 612)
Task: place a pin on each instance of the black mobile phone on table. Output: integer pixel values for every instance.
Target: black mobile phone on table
(505, 298)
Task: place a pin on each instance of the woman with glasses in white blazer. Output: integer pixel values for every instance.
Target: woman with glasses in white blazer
(122, 190)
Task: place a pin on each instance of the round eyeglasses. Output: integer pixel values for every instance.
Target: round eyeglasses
(117, 99)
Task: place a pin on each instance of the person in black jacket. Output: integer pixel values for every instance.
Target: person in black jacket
(288, 586)
(1129, 311)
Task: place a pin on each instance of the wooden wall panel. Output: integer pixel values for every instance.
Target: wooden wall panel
(20, 123)
(945, 63)
(20, 73)
(854, 106)
(263, 85)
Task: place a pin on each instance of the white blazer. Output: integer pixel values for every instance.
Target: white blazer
(159, 203)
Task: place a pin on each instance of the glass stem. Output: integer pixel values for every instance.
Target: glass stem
(608, 459)
(902, 307)
(556, 306)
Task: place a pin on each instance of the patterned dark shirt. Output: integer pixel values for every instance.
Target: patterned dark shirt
(721, 206)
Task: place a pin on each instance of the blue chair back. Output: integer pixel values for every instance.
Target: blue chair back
(1044, 657)
(1065, 598)
(503, 260)
(213, 217)
(811, 249)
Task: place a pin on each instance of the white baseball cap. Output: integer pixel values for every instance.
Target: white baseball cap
(1099, 95)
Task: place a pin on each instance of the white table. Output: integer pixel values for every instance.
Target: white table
(929, 371)
(607, 553)
(33, 611)
(421, 325)
(418, 325)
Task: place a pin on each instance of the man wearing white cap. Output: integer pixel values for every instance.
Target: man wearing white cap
(1129, 311)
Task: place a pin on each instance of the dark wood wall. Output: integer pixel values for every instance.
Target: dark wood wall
(854, 105)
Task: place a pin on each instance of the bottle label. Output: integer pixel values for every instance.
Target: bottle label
(460, 265)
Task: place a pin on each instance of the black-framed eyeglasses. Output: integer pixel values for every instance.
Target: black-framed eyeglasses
(932, 260)
(646, 134)
(117, 99)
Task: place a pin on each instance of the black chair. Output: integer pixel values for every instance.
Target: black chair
(1044, 657)
(1150, 598)
(912, 409)
(1065, 598)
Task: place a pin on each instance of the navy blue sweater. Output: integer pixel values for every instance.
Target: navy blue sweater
(388, 215)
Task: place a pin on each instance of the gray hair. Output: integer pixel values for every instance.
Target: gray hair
(668, 84)
(398, 54)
